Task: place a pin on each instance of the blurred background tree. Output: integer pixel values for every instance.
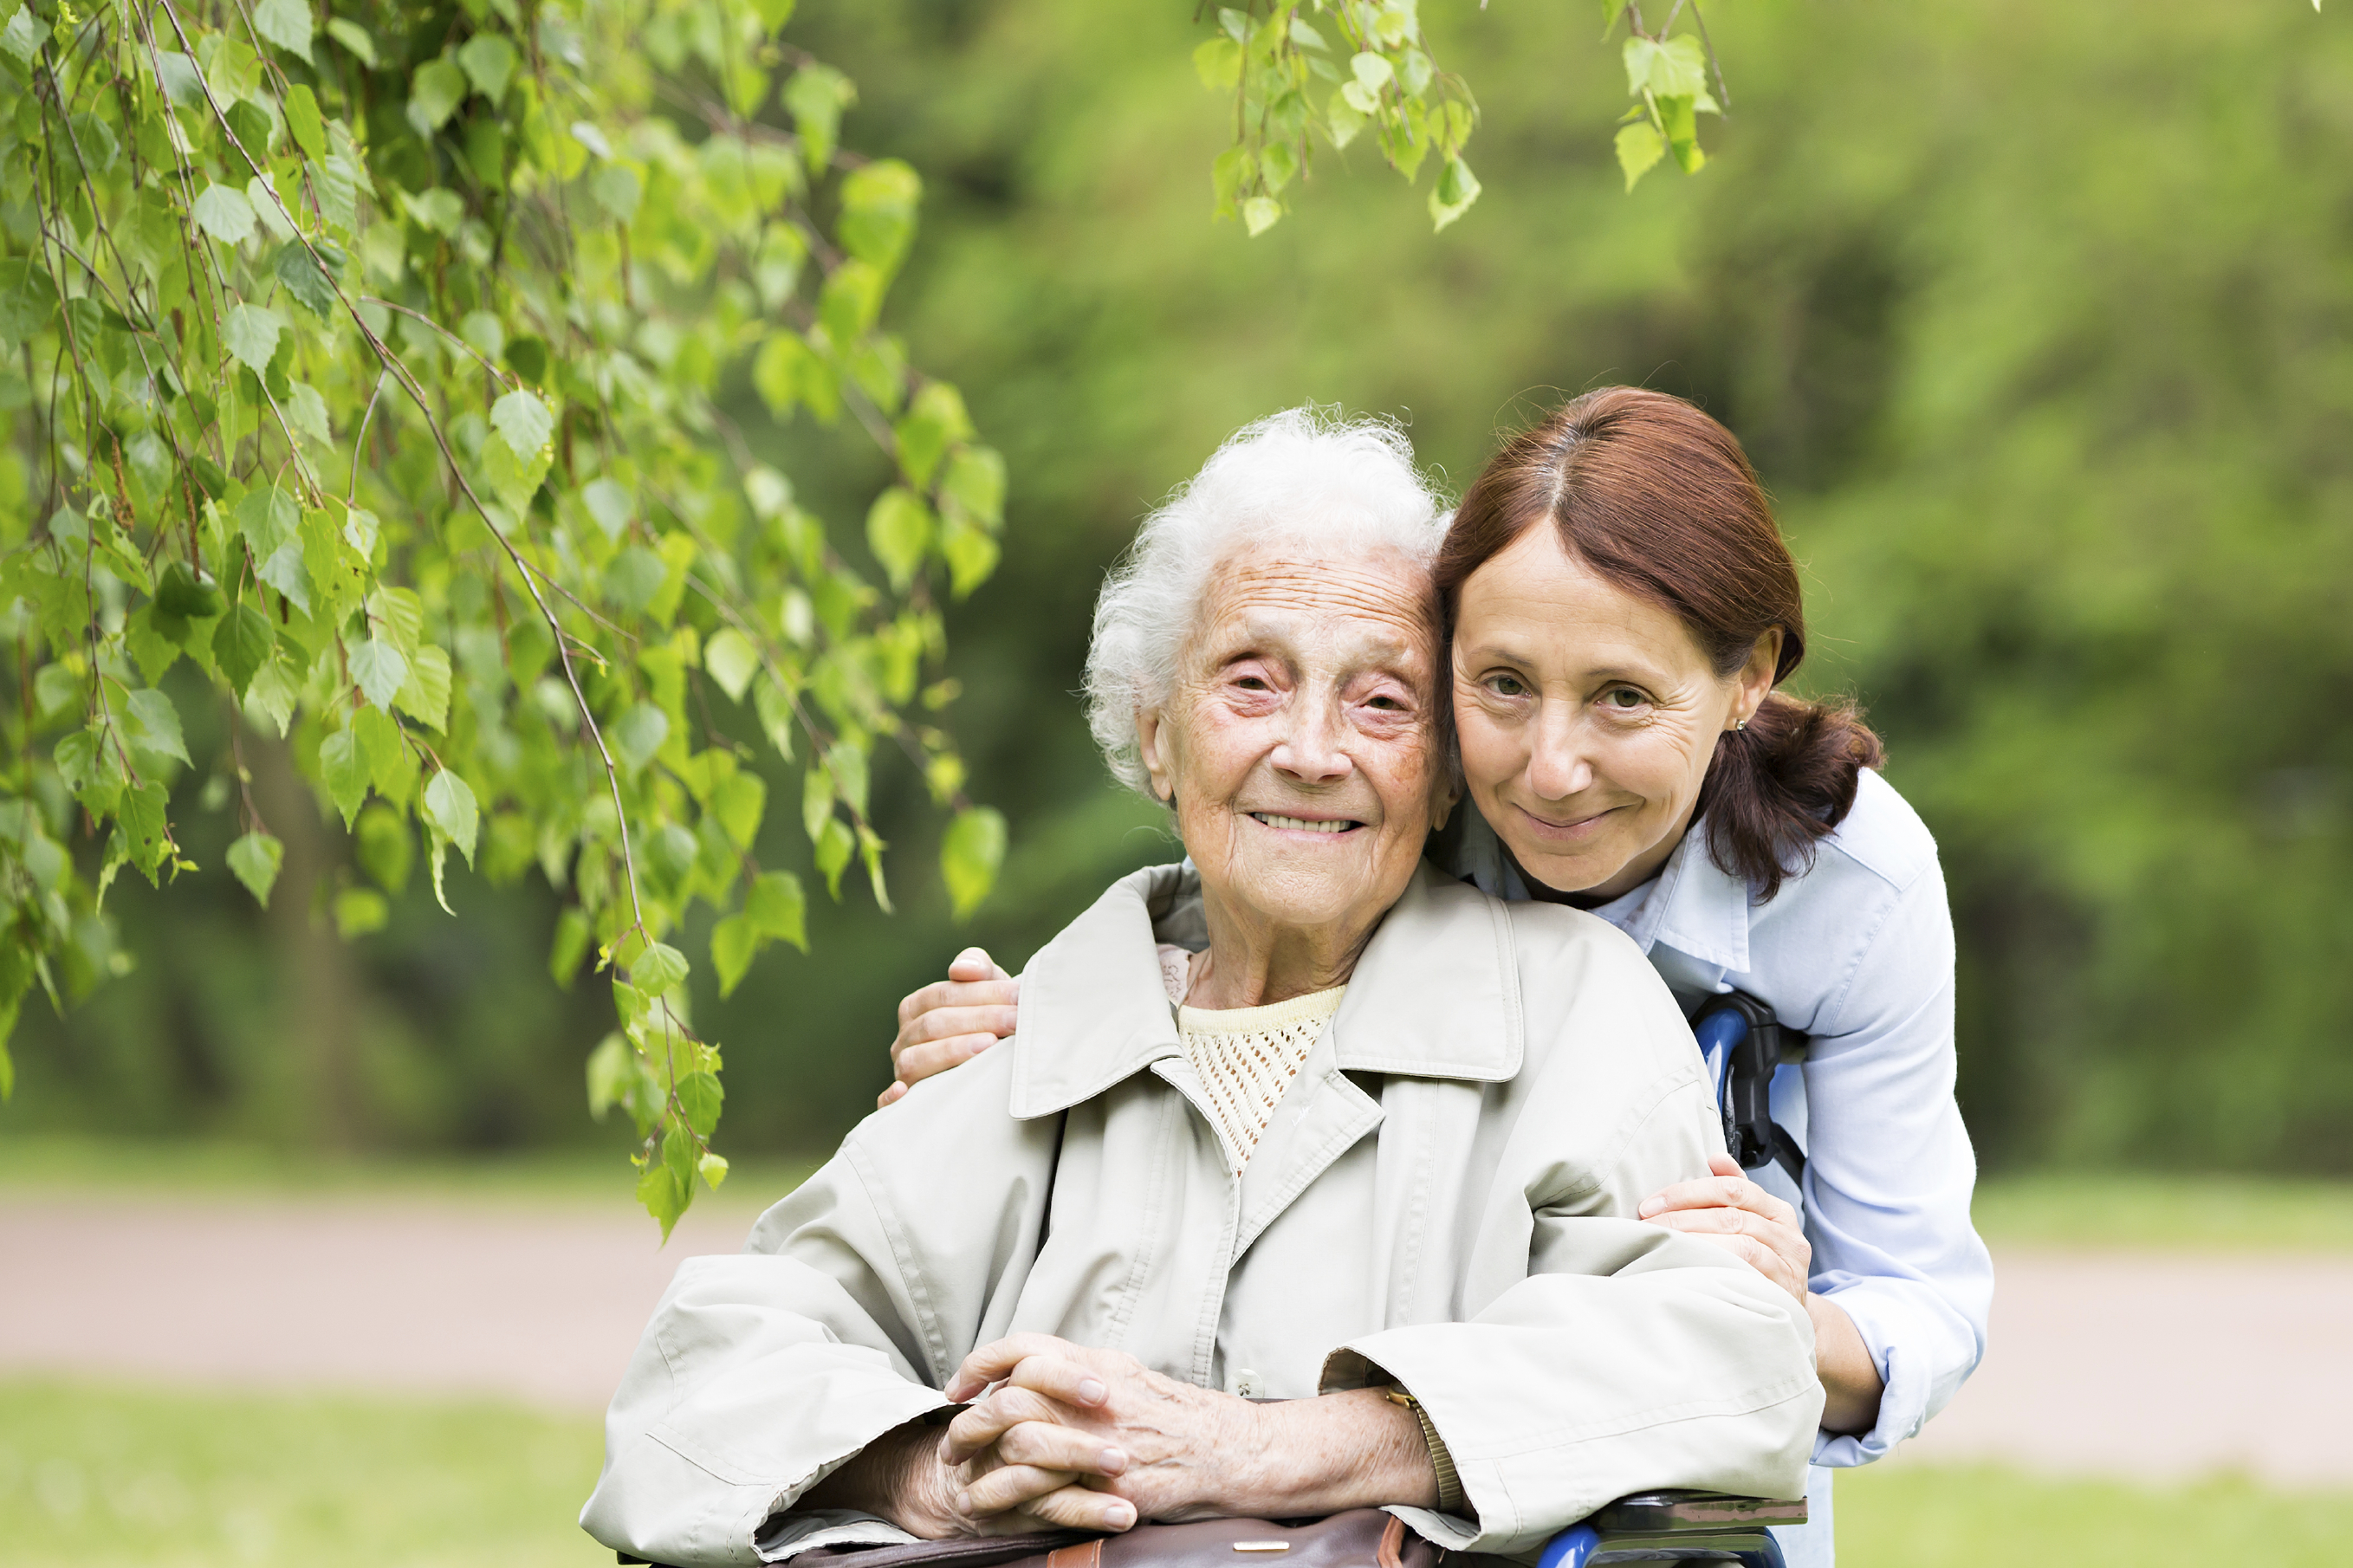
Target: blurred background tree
(2038, 320)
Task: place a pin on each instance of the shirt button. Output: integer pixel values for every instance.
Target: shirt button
(1247, 1384)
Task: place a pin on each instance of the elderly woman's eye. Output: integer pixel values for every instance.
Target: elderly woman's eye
(1386, 701)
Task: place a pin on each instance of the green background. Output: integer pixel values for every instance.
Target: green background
(2038, 320)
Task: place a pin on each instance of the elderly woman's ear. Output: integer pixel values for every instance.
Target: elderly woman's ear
(1445, 794)
(1151, 741)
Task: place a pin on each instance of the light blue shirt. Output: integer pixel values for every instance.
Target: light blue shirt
(1856, 951)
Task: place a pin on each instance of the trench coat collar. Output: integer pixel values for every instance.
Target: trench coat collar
(1692, 905)
(1094, 1011)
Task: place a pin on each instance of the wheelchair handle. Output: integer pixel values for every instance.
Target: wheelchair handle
(1744, 1043)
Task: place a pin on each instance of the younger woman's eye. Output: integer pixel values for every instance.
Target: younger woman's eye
(1507, 686)
(1624, 698)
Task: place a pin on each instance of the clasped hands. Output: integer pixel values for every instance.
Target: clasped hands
(1059, 1436)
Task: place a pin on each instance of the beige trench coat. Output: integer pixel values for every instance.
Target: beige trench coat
(1444, 1198)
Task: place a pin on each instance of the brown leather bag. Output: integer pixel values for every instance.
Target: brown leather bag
(1360, 1538)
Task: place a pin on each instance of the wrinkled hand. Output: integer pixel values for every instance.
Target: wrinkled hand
(1740, 1216)
(951, 1020)
(1088, 1440)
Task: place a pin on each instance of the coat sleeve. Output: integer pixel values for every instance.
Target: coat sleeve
(761, 1372)
(1624, 1357)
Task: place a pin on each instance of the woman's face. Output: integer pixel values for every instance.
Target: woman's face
(1299, 742)
(1588, 716)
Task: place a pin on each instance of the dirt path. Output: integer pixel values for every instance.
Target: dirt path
(2134, 1365)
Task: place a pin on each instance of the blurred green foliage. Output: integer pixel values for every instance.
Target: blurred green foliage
(2038, 320)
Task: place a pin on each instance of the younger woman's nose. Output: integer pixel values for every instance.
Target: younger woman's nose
(1559, 767)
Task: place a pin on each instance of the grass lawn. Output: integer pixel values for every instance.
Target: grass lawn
(1919, 1516)
(91, 1477)
(94, 1476)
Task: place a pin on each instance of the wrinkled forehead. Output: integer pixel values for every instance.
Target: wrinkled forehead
(1332, 610)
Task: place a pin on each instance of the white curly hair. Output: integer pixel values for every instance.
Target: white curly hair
(1306, 476)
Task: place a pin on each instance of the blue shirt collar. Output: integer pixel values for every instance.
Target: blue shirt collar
(1692, 905)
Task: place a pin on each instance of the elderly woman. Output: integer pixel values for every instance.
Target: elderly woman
(1309, 1180)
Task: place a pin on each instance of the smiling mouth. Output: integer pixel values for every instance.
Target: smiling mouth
(1302, 823)
(1573, 825)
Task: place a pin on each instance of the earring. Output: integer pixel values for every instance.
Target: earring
(1738, 725)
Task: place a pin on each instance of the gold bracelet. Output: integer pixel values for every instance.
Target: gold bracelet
(1449, 1485)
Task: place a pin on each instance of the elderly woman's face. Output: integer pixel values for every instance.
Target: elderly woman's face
(1299, 741)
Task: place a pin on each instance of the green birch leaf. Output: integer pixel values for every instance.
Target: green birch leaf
(284, 572)
(608, 505)
(223, 213)
(391, 766)
(524, 422)
(971, 554)
(354, 39)
(378, 669)
(301, 275)
(776, 718)
(699, 1097)
(488, 61)
(399, 617)
(29, 301)
(306, 415)
(151, 723)
(146, 832)
(249, 333)
(241, 645)
(870, 849)
(425, 695)
(740, 802)
(730, 659)
(1219, 64)
(273, 695)
(734, 943)
(1640, 148)
(637, 735)
(976, 483)
(287, 24)
(899, 530)
(255, 859)
(435, 91)
(360, 910)
(22, 39)
(658, 969)
(775, 907)
(101, 777)
(833, 849)
(970, 854)
(1456, 189)
(449, 807)
(305, 124)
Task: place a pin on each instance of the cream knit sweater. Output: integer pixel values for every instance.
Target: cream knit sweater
(1245, 1057)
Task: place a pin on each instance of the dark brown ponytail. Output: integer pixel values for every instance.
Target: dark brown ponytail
(1659, 499)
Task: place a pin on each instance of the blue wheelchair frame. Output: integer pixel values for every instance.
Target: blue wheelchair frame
(1743, 1043)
